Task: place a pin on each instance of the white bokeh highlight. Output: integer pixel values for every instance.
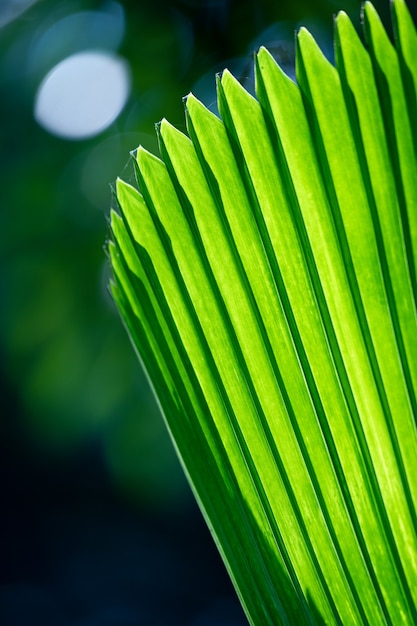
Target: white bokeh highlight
(83, 95)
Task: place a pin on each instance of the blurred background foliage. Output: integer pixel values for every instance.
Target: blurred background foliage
(84, 451)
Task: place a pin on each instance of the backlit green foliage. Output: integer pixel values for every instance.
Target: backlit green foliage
(266, 273)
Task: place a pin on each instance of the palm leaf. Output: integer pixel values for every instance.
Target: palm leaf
(266, 274)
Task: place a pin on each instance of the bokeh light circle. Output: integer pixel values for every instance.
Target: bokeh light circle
(83, 95)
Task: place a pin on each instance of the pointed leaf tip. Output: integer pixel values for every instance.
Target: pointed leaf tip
(192, 99)
(226, 73)
(303, 32)
(343, 25)
(113, 215)
(119, 185)
(305, 43)
(342, 16)
(196, 108)
(185, 98)
(167, 130)
(229, 79)
(263, 56)
(144, 156)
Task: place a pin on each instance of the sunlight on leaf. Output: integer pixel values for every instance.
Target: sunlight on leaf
(265, 271)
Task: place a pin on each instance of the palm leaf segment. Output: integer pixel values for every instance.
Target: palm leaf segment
(266, 272)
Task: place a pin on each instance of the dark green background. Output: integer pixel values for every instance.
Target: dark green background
(97, 522)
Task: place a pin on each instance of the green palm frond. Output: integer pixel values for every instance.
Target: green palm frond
(266, 273)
